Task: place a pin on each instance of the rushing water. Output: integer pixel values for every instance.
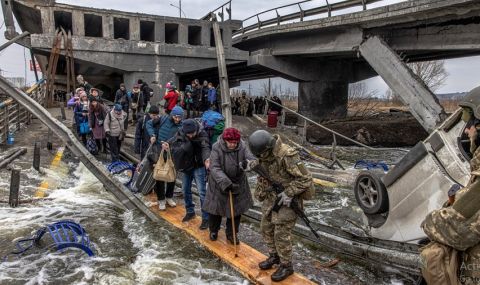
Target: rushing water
(129, 248)
(132, 250)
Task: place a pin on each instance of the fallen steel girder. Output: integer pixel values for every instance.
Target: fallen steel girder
(414, 92)
(118, 190)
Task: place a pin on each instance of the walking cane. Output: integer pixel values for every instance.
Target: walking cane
(233, 223)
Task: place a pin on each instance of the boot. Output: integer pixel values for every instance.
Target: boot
(269, 262)
(188, 217)
(213, 236)
(203, 225)
(283, 271)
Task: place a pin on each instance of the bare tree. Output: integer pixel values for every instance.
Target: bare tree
(433, 73)
(361, 102)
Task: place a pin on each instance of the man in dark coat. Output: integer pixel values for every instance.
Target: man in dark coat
(142, 138)
(191, 152)
(227, 175)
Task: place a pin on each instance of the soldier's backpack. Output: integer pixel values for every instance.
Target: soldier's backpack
(440, 264)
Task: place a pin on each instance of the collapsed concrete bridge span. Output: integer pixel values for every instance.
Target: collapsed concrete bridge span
(111, 46)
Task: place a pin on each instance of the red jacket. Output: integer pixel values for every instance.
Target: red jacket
(172, 98)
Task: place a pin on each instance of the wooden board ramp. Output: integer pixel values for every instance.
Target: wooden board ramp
(248, 258)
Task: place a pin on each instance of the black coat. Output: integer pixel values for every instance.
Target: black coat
(188, 153)
(225, 170)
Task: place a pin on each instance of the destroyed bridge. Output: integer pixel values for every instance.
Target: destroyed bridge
(321, 51)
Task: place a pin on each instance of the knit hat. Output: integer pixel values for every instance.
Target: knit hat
(231, 135)
(154, 110)
(177, 111)
(189, 126)
(117, 107)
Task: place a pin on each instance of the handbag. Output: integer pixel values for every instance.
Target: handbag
(84, 128)
(92, 146)
(164, 169)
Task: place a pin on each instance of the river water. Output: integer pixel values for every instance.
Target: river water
(132, 250)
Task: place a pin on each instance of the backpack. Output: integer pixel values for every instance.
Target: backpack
(440, 264)
(211, 118)
(92, 146)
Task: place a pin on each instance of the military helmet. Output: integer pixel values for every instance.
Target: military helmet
(472, 101)
(260, 141)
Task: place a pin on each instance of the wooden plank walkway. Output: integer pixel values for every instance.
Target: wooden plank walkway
(248, 258)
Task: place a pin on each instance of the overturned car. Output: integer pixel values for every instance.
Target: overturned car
(395, 203)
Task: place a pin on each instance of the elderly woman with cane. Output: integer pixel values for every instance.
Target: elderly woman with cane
(228, 193)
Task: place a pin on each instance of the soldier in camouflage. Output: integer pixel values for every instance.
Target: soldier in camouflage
(449, 226)
(243, 104)
(284, 166)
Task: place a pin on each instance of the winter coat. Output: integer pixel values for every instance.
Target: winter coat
(172, 98)
(142, 139)
(146, 90)
(79, 110)
(164, 129)
(212, 95)
(188, 153)
(224, 171)
(96, 120)
(71, 102)
(121, 97)
(137, 98)
(114, 123)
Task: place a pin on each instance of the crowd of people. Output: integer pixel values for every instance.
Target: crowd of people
(190, 131)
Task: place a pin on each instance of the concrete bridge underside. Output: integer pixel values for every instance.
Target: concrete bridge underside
(326, 55)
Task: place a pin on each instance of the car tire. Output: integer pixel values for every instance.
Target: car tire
(370, 193)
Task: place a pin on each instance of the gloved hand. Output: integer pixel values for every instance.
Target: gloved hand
(107, 133)
(284, 200)
(247, 165)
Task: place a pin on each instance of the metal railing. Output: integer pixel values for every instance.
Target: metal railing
(333, 155)
(220, 11)
(13, 115)
(300, 14)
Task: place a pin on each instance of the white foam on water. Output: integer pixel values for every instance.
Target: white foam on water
(161, 260)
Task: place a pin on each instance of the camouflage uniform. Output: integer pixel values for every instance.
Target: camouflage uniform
(284, 166)
(474, 164)
(243, 105)
(450, 228)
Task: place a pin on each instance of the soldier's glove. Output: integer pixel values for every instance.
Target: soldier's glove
(248, 165)
(284, 200)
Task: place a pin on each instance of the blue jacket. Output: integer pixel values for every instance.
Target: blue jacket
(163, 129)
(212, 95)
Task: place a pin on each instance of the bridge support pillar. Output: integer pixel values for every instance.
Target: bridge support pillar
(323, 98)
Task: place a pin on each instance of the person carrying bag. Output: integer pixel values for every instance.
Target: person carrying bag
(164, 168)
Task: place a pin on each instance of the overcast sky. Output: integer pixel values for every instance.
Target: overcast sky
(463, 72)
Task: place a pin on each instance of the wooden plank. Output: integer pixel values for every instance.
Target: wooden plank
(248, 258)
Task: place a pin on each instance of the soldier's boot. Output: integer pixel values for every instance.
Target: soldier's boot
(283, 271)
(269, 262)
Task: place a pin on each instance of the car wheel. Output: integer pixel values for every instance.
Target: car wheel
(370, 193)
